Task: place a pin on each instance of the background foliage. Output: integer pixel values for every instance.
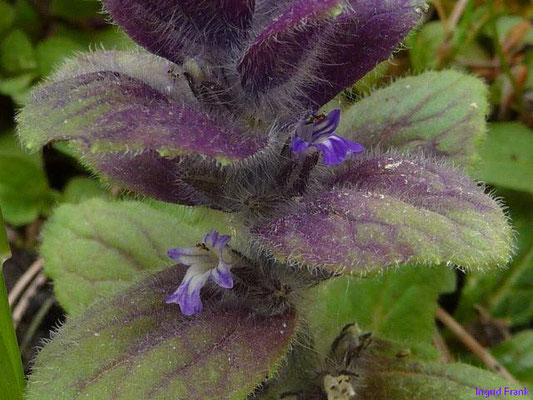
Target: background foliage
(490, 39)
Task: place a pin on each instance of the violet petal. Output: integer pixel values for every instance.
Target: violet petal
(221, 275)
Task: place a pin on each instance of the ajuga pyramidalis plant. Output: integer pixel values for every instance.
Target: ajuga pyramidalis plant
(227, 110)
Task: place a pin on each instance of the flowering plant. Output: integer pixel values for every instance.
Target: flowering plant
(277, 187)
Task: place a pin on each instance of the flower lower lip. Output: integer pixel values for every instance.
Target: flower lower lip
(319, 132)
(205, 261)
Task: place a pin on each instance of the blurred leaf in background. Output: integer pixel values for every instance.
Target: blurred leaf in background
(37, 37)
(79, 189)
(516, 354)
(7, 16)
(24, 190)
(506, 293)
(84, 9)
(507, 157)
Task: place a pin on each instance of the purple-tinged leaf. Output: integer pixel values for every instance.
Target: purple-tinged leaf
(317, 48)
(171, 180)
(142, 131)
(276, 55)
(440, 113)
(221, 21)
(388, 210)
(152, 24)
(174, 29)
(134, 346)
(364, 36)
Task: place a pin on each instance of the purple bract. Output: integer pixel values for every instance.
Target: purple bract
(225, 80)
(207, 119)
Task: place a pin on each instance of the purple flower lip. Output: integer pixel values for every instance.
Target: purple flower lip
(318, 131)
(208, 259)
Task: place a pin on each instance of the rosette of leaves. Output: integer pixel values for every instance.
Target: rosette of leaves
(207, 118)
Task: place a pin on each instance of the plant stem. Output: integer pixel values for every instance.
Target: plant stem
(25, 300)
(456, 14)
(24, 280)
(441, 13)
(473, 345)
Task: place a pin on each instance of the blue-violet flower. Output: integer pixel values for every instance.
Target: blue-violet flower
(318, 131)
(208, 259)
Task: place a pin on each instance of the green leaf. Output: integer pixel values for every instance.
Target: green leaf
(398, 305)
(407, 380)
(80, 189)
(384, 370)
(16, 85)
(7, 16)
(17, 53)
(440, 113)
(506, 293)
(113, 244)
(368, 82)
(135, 346)
(12, 382)
(24, 191)
(112, 38)
(423, 46)
(5, 250)
(52, 51)
(387, 210)
(506, 23)
(507, 157)
(516, 354)
(27, 18)
(81, 9)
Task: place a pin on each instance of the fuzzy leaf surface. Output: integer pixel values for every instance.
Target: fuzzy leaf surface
(393, 378)
(119, 101)
(113, 244)
(134, 346)
(386, 371)
(506, 293)
(317, 48)
(176, 28)
(507, 157)
(439, 113)
(384, 305)
(386, 210)
(133, 122)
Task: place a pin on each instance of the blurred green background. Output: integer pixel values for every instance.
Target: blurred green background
(490, 39)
